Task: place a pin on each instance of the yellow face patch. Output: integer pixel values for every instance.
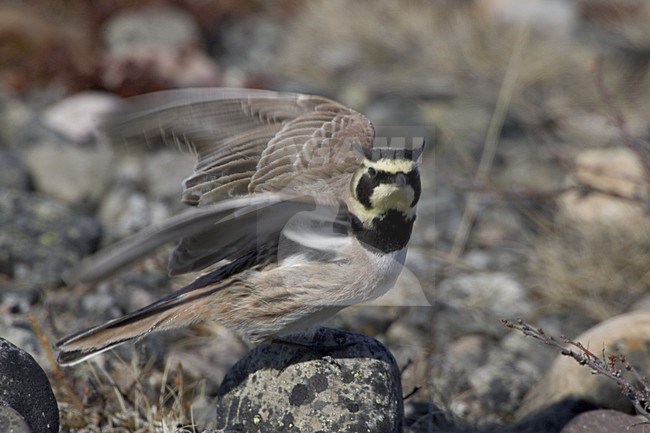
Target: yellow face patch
(388, 196)
(392, 166)
(380, 188)
(385, 197)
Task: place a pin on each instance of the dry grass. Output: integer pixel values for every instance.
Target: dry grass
(597, 270)
(123, 398)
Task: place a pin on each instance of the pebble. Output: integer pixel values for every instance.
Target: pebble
(11, 421)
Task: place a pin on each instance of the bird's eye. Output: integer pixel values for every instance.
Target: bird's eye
(372, 172)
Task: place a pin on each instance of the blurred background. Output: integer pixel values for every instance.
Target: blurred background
(535, 201)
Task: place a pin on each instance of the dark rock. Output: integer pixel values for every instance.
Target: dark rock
(41, 239)
(606, 421)
(553, 418)
(355, 386)
(25, 388)
(425, 417)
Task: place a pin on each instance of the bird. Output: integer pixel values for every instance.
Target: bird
(294, 213)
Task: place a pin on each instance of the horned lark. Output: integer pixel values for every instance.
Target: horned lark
(295, 215)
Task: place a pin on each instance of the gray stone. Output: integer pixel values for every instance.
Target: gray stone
(11, 421)
(70, 173)
(353, 387)
(25, 388)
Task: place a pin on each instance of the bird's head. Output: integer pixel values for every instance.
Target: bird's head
(384, 193)
(387, 181)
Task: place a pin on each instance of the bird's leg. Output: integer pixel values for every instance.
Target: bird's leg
(321, 350)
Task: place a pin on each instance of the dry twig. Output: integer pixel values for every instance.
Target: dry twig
(608, 365)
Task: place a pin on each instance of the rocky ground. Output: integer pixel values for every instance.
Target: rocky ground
(534, 206)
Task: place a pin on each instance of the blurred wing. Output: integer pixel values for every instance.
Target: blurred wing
(230, 230)
(250, 140)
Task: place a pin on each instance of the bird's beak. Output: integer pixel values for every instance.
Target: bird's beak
(400, 179)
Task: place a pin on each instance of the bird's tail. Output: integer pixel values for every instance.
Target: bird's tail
(179, 309)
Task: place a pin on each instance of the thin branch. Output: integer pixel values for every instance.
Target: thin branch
(605, 365)
(502, 106)
(47, 348)
(639, 147)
